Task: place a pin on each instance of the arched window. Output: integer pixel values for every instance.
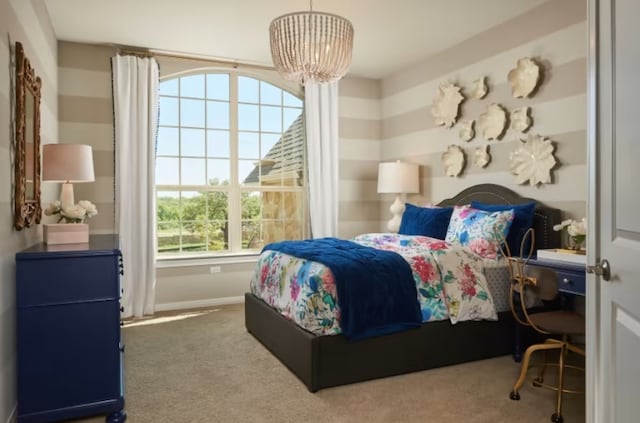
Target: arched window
(230, 165)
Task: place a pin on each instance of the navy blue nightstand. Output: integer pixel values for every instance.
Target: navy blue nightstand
(68, 331)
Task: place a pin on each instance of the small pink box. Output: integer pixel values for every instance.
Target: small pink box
(66, 233)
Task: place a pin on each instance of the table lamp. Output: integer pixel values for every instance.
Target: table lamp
(67, 163)
(397, 178)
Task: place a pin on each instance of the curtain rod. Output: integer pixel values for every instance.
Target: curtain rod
(173, 55)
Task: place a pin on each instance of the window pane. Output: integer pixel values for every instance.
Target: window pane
(218, 171)
(248, 117)
(168, 206)
(291, 100)
(192, 113)
(218, 235)
(292, 229)
(218, 86)
(290, 116)
(169, 87)
(192, 206)
(251, 235)
(217, 115)
(248, 145)
(167, 171)
(194, 237)
(270, 94)
(217, 206)
(167, 142)
(192, 142)
(168, 237)
(271, 119)
(272, 231)
(192, 172)
(292, 205)
(247, 89)
(248, 172)
(218, 144)
(168, 111)
(192, 86)
(268, 148)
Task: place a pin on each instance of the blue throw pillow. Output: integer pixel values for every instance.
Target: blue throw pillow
(426, 221)
(522, 221)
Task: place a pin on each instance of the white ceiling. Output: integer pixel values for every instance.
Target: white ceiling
(389, 34)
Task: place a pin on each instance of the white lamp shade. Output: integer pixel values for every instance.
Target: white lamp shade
(67, 163)
(398, 178)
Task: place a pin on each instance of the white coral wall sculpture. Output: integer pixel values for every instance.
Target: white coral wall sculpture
(520, 120)
(491, 123)
(481, 156)
(479, 88)
(524, 77)
(466, 130)
(533, 160)
(453, 160)
(446, 104)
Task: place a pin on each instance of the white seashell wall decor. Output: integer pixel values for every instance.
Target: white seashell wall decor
(446, 104)
(481, 156)
(524, 77)
(533, 160)
(491, 124)
(467, 132)
(453, 160)
(479, 88)
(520, 120)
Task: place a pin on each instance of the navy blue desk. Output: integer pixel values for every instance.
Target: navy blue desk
(571, 282)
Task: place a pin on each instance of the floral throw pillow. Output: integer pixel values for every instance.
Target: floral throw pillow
(480, 231)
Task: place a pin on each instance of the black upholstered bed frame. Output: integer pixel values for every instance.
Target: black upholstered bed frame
(330, 360)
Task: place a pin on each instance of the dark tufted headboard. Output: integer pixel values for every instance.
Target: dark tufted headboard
(543, 220)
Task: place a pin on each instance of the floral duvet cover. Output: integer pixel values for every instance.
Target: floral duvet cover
(449, 282)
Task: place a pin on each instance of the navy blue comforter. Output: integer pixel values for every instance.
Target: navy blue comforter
(376, 291)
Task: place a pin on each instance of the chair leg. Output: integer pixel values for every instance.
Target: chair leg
(514, 395)
(537, 382)
(557, 416)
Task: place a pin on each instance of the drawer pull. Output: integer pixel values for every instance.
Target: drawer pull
(566, 280)
(121, 309)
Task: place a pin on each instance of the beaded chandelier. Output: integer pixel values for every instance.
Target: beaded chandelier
(311, 46)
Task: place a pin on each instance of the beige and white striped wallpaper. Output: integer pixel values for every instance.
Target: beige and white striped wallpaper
(28, 23)
(86, 117)
(555, 35)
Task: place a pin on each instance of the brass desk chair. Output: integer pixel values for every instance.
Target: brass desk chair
(543, 284)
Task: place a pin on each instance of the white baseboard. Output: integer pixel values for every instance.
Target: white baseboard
(13, 415)
(211, 302)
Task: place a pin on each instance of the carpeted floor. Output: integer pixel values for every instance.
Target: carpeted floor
(203, 366)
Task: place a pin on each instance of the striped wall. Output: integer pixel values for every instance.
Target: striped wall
(360, 132)
(555, 35)
(28, 23)
(86, 117)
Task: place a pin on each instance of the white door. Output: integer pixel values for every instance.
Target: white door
(613, 306)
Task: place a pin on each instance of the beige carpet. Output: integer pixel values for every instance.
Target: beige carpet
(203, 366)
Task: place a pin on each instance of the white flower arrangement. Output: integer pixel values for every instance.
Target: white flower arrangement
(576, 229)
(73, 214)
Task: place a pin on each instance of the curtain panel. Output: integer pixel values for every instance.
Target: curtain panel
(135, 97)
(321, 117)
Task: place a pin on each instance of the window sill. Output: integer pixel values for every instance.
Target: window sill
(188, 261)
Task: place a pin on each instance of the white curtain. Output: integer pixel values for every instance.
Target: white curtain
(135, 98)
(321, 112)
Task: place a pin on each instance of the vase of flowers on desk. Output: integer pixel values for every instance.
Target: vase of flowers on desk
(71, 227)
(576, 232)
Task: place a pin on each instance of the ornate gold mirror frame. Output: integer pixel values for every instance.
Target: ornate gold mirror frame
(27, 148)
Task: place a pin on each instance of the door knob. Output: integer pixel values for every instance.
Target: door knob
(602, 269)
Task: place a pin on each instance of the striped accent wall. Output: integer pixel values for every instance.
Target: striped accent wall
(555, 35)
(360, 132)
(86, 117)
(25, 21)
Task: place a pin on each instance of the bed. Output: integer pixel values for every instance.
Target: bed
(322, 361)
